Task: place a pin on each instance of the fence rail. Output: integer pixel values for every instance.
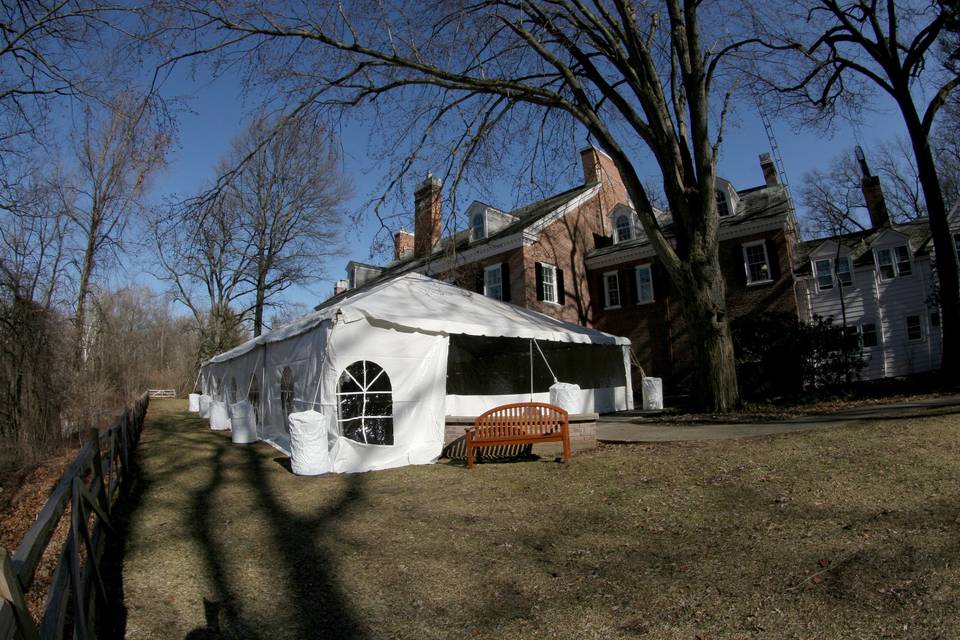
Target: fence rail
(162, 393)
(90, 487)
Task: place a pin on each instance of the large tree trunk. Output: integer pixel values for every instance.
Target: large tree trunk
(704, 308)
(946, 254)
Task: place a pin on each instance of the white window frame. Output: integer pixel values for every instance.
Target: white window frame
(817, 275)
(894, 263)
(906, 322)
(724, 201)
(483, 226)
(876, 333)
(836, 270)
(488, 285)
(746, 262)
(641, 298)
(606, 290)
(833, 271)
(616, 228)
(554, 298)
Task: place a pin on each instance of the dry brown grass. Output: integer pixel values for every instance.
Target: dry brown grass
(848, 533)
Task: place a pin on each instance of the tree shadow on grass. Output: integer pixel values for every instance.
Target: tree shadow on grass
(300, 544)
(317, 604)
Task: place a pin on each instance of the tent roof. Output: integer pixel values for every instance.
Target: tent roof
(417, 302)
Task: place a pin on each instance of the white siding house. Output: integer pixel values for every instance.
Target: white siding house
(879, 284)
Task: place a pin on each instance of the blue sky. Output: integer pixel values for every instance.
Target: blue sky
(218, 111)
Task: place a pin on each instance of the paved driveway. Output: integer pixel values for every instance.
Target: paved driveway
(621, 428)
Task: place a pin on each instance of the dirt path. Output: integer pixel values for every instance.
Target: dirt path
(847, 533)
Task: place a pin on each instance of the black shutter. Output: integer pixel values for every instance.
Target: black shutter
(596, 293)
(561, 297)
(538, 270)
(628, 286)
(505, 281)
(479, 283)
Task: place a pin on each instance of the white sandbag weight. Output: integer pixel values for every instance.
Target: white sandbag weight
(309, 455)
(205, 402)
(652, 394)
(565, 395)
(193, 403)
(219, 420)
(243, 423)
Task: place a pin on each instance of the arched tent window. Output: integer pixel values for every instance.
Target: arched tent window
(365, 403)
(232, 398)
(254, 397)
(624, 227)
(286, 391)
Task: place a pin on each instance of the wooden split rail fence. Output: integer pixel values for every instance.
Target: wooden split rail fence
(90, 486)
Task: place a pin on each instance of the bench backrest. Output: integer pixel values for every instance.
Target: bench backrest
(528, 418)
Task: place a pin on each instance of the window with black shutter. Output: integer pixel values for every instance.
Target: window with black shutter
(538, 273)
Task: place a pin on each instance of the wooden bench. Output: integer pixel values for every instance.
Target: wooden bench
(521, 423)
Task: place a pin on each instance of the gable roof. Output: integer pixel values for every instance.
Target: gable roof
(860, 242)
(757, 204)
(417, 302)
(527, 216)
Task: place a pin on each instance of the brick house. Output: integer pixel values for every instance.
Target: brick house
(581, 256)
(633, 297)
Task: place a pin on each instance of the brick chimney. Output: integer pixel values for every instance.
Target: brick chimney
(402, 244)
(426, 229)
(872, 193)
(598, 166)
(769, 170)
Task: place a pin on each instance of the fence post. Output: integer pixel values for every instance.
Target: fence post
(11, 592)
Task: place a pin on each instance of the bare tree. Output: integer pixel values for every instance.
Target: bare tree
(641, 79)
(288, 194)
(33, 238)
(834, 199)
(946, 144)
(846, 50)
(116, 153)
(205, 262)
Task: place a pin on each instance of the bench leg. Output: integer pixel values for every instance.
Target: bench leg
(566, 443)
(469, 451)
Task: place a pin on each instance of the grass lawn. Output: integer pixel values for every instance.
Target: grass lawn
(848, 533)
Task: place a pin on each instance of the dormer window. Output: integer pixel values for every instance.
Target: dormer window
(893, 262)
(479, 226)
(831, 274)
(623, 228)
(723, 208)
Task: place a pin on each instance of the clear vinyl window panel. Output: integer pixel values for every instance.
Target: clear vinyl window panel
(365, 404)
(286, 392)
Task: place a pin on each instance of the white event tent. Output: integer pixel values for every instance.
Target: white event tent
(385, 364)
